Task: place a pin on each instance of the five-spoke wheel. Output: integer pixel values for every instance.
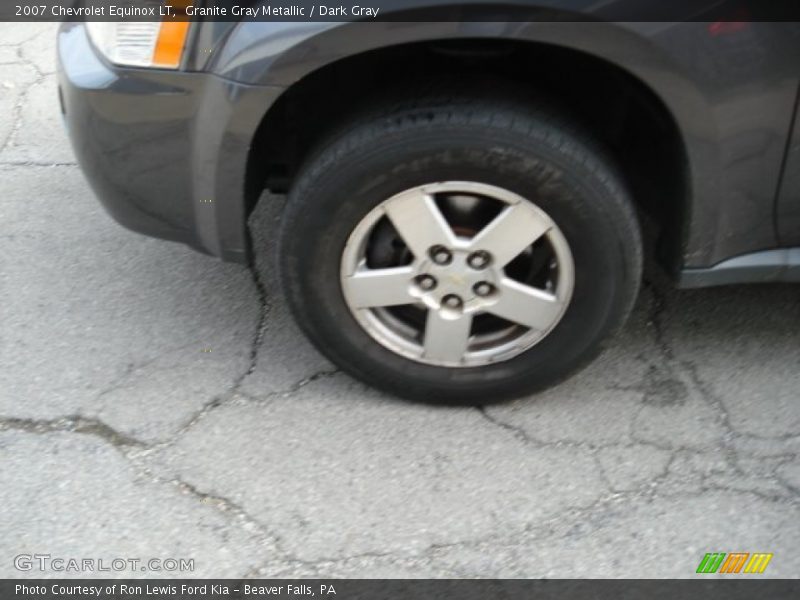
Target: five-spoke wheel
(461, 249)
(468, 274)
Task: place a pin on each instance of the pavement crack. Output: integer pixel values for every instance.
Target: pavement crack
(593, 450)
(517, 432)
(658, 307)
(198, 416)
(21, 43)
(72, 424)
(221, 502)
(132, 369)
(211, 405)
(674, 365)
(35, 163)
(265, 307)
(324, 374)
(793, 489)
(16, 122)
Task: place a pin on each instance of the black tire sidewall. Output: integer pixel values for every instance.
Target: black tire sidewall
(582, 195)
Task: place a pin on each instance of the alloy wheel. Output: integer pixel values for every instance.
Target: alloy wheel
(457, 274)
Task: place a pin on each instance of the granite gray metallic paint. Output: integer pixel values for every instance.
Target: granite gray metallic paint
(165, 151)
(731, 93)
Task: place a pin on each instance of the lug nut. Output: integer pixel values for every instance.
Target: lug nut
(479, 259)
(452, 301)
(483, 288)
(426, 282)
(440, 255)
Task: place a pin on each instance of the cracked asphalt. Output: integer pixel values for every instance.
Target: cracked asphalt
(155, 402)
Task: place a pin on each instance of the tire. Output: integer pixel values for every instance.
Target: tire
(503, 147)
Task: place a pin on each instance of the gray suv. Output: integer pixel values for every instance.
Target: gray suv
(466, 200)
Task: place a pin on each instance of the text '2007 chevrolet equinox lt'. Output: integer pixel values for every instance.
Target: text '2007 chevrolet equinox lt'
(465, 199)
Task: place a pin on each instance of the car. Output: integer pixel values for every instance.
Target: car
(469, 203)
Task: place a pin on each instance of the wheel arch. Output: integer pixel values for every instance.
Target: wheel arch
(340, 62)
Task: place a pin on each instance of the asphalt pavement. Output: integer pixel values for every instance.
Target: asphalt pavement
(157, 403)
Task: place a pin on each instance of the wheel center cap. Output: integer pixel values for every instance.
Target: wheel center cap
(457, 280)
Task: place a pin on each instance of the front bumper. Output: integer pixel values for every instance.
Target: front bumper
(164, 151)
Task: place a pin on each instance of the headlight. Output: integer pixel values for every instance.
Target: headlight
(140, 44)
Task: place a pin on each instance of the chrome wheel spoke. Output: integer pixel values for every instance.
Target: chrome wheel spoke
(446, 335)
(526, 305)
(511, 232)
(371, 288)
(419, 222)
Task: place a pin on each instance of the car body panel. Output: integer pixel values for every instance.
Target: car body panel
(165, 151)
(731, 95)
(731, 90)
(788, 209)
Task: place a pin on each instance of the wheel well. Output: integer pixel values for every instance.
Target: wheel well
(620, 111)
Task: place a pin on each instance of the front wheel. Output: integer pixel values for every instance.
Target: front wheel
(460, 254)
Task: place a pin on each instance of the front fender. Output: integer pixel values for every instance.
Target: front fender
(730, 92)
